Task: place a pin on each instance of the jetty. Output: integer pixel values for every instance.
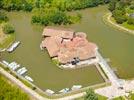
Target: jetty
(13, 46)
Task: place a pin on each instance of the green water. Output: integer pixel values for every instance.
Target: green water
(114, 44)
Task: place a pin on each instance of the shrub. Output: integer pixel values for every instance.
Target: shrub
(55, 61)
(52, 15)
(120, 19)
(3, 17)
(132, 7)
(90, 95)
(130, 21)
(8, 29)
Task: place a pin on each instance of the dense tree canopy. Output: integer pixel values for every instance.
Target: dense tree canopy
(60, 4)
(49, 16)
(121, 10)
(41, 9)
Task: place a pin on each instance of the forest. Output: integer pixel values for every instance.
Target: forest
(122, 11)
(49, 12)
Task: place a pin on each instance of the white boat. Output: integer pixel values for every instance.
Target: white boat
(23, 71)
(17, 66)
(5, 62)
(13, 65)
(64, 90)
(29, 78)
(49, 91)
(19, 70)
(13, 46)
(76, 87)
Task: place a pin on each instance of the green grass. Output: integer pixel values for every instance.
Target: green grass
(7, 41)
(119, 98)
(10, 92)
(125, 25)
(131, 27)
(131, 96)
(99, 98)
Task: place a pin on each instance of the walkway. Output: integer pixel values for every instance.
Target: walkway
(108, 71)
(118, 87)
(21, 85)
(118, 26)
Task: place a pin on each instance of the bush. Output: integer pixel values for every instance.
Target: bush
(119, 16)
(52, 15)
(56, 62)
(8, 29)
(132, 7)
(130, 21)
(120, 19)
(90, 95)
(3, 17)
(112, 5)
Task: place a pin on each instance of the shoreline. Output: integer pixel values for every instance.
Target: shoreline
(107, 20)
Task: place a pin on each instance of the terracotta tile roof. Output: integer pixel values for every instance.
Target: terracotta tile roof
(68, 49)
(81, 34)
(78, 47)
(52, 44)
(58, 32)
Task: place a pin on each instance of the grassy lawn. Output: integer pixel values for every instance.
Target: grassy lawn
(10, 92)
(5, 40)
(99, 98)
(128, 26)
(131, 27)
(119, 98)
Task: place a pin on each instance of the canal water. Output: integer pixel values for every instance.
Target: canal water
(116, 45)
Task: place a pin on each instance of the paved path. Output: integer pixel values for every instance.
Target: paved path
(108, 71)
(72, 97)
(115, 89)
(118, 26)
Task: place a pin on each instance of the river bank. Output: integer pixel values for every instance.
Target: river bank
(107, 18)
(45, 73)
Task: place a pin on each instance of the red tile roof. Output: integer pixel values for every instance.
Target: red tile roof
(68, 49)
(58, 32)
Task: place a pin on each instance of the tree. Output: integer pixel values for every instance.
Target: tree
(112, 5)
(119, 16)
(90, 95)
(3, 17)
(130, 21)
(8, 29)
